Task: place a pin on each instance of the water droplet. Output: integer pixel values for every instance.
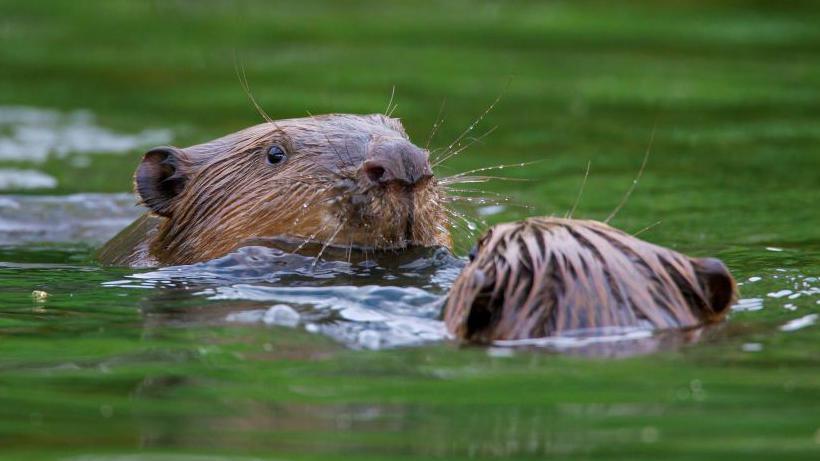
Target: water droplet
(780, 294)
(500, 352)
(282, 315)
(370, 339)
(752, 347)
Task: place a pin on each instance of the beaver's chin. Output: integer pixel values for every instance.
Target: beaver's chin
(377, 236)
(347, 239)
(373, 218)
(360, 231)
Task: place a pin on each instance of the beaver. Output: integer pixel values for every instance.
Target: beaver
(548, 276)
(355, 180)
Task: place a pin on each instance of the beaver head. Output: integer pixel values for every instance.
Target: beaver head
(351, 180)
(545, 276)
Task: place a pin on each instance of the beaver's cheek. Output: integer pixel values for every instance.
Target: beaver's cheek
(358, 200)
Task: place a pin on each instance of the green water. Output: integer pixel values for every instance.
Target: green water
(108, 372)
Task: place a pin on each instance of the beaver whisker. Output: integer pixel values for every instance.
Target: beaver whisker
(471, 226)
(458, 225)
(637, 178)
(484, 201)
(310, 238)
(452, 153)
(436, 125)
(206, 199)
(474, 191)
(472, 126)
(647, 228)
(319, 198)
(243, 81)
(494, 167)
(483, 194)
(571, 212)
(328, 243)
(451, 181)
(387, 111)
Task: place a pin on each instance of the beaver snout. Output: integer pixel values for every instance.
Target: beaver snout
(396, 161)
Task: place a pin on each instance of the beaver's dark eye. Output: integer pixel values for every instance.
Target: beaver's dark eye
(473, 253)
(276, 155)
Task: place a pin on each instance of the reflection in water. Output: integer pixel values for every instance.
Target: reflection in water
(89, 218)
(613, 341)
(802, 322)
(31, 134)
(220, 356)
(443, 430)
(14, 178)
(385, 299)
(748, 304)
(390, 299)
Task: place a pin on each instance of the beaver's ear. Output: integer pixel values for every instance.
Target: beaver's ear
(718, 284)
(160, 178)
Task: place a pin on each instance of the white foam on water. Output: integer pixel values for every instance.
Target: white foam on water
(748, 304)
(375, 316)
(802, 322)
(491, 210)
(33, 134)
(66, 218)
(282, 315)
(15, 179)
(780, 293)
(583, 339)
(751, 347)
(793, 288)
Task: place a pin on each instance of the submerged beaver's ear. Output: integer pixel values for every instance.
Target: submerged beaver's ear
(160, 177)
(718, 284)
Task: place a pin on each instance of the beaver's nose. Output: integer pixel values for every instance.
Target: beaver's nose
(396, 161)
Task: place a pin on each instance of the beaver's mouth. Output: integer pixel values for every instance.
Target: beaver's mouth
(390, 216)
(385, 217)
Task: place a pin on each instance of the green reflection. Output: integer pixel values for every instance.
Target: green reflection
(91, 374)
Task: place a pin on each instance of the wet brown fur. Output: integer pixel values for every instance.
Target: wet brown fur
(547, 276)
(226, 193)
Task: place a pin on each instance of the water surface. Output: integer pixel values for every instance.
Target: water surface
(206, 362)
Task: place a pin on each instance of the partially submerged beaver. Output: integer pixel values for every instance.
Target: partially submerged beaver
(547, 276)
(358, 182)
(353, 180)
